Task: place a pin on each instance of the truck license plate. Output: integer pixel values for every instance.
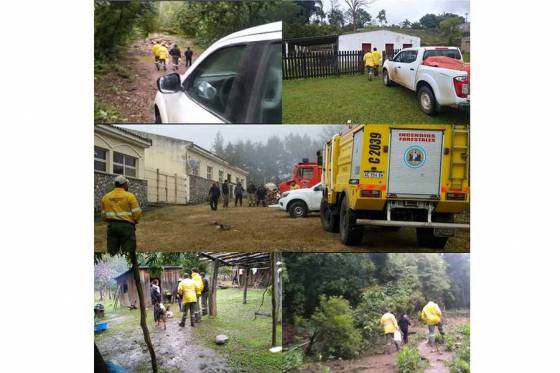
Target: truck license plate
(376, 174)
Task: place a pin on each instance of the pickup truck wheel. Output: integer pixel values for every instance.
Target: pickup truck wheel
(329, 220)
(388, 82)
(427, 100)
(298, 209)
(157, 116)
(350, 233)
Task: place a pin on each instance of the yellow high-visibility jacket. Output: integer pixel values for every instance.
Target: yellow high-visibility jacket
(389, 323)
(377, 57)
(187, 291)
(163, 53)
(120, 205)
(295, 187)
(155, 49)
(198, 282)
(368, 59)
(431, 314)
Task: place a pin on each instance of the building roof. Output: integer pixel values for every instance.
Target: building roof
(193, 147)
(313, 40)
(251, 260)
(378, 31)
(124, 133)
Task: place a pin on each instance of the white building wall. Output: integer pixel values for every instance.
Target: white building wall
(378, 39)
(174, 158)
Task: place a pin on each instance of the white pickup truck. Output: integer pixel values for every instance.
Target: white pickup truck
(301, 201)
(434, 86)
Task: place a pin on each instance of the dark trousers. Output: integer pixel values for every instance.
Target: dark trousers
(261, 201)
(214, 203)
(188, 307)
(404, 335)
(239, 197)
(226, 199)
(120, 235)
(204, 300)
(188, 61)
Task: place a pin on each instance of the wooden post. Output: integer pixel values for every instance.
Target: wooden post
(145, 330)
(157, 185)
(213, 309)
(245, 285)
(274, 283)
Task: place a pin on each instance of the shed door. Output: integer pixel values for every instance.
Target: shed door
(389, 50)
(415, 162)
(366, 47)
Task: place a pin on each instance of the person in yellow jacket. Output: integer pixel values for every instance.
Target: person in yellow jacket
(377, 57)
(187, 292)
(390, 326)
(199, 287)
(294, 186)
(155, 52)
(431, 315)
(368, 62)
(163, 56)
(121, 211)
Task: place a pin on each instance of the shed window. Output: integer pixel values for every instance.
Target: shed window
(125, 288)
(100, 159)
(209, 173)
(221, 176)
(124, 164)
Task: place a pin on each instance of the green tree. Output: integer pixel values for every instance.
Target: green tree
(353, 7)
(382, 17)
(450, 27)
(218, 145)
(429, 21)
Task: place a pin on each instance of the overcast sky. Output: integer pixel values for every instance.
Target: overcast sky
(204, 135)
(399, 10)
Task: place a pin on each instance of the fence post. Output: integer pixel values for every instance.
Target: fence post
(157, 185)
(175, 188)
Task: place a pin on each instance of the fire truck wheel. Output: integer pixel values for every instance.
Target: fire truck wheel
(298, 209)
(426, 238)
(350, 233)
(329, 220)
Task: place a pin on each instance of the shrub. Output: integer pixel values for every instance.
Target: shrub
(333, 331)
(450, 342)
(460, 366)
(292, 359)
(409, 360)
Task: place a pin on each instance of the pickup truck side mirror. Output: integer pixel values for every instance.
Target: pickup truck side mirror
(170, 83)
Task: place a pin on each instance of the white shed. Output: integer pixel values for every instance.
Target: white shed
(383, 40)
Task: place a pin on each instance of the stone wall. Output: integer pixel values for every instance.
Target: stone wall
(104, 183)
(198, 189)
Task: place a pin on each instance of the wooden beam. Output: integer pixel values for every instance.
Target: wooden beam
(245, 285)
(212, 305)
(274, 300)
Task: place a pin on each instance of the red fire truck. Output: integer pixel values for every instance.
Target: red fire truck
(305, 174)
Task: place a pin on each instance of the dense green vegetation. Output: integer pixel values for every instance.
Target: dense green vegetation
(346, 294)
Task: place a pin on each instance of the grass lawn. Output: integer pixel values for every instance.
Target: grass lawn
(250, 339)
(336, 100)
(178, 348)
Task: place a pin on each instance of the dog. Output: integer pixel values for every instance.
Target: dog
(162, 315)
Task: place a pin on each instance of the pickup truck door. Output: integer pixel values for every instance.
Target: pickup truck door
(408, 67)
(395, 68)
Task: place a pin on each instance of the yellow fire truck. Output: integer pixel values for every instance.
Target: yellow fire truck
(396, 176)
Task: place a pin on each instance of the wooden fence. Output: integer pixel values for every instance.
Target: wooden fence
(316, 64)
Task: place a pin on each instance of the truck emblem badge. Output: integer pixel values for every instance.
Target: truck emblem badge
(415, 156)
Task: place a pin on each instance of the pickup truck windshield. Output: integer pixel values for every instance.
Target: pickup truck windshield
(453, 53)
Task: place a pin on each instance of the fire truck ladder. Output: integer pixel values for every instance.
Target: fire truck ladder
(459, 157)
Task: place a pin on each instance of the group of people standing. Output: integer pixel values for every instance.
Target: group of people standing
(372, 61)
(161, 55)
(431, 315)
(192, 297)
(257, 195)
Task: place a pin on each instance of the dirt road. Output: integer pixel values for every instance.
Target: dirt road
(131, 88)
(377, 362)
(192, 228)
(176, 348)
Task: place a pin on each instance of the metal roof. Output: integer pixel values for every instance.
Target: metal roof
(252, 260)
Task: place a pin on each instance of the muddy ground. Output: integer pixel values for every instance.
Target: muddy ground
(377, 362)
(192, 228)
(176, 348)
(131, 88)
